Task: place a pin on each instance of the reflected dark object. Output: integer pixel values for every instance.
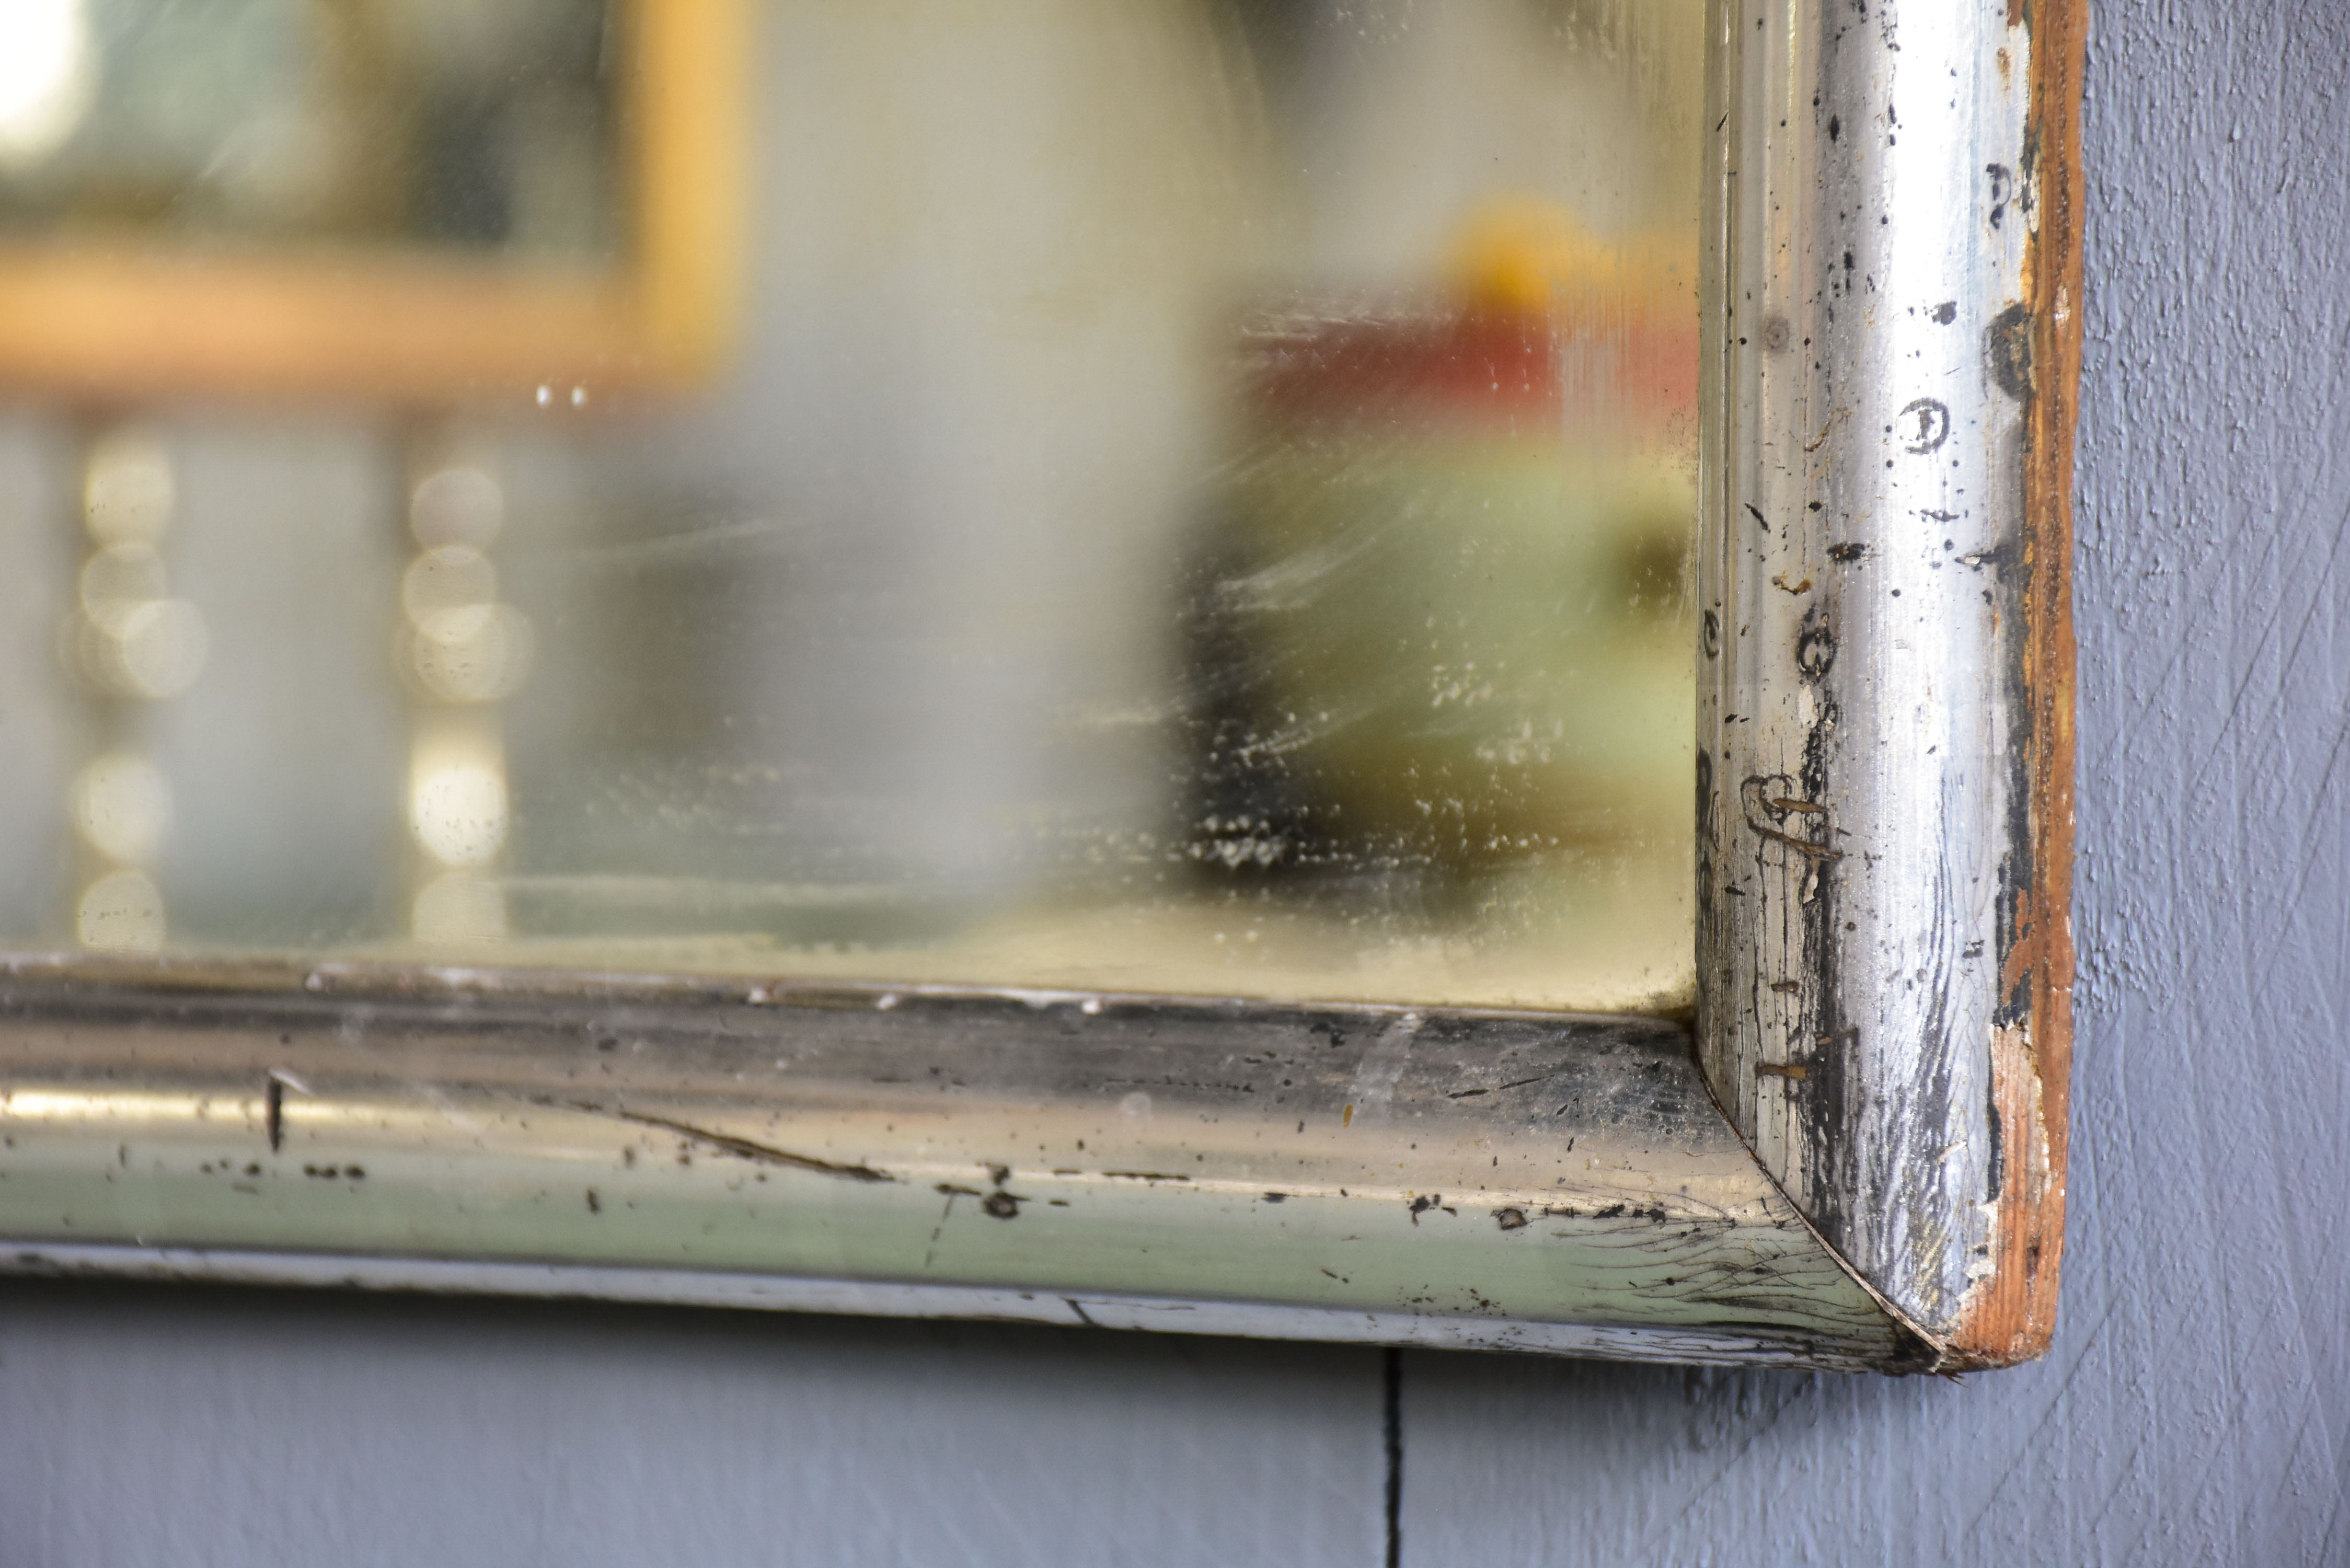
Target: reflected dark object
(1442, 627)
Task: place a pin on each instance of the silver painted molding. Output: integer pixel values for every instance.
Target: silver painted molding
(1885, 811)
(1431, 1176)
(855, 1298)
(1866, 839)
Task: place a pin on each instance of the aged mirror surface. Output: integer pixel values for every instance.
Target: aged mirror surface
(1197, 496)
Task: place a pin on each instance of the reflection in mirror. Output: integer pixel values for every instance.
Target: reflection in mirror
(449, 123)
(1200, 500)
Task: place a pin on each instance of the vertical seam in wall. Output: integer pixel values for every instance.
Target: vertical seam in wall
(1393, 1407)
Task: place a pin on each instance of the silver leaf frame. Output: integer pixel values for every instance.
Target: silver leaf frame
(1853, 1160)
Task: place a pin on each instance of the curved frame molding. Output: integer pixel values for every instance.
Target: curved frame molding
(1885, 687)
(1475, 1179)
(1857, 1162)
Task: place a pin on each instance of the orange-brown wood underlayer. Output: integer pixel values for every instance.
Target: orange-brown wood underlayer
(2013, 1315)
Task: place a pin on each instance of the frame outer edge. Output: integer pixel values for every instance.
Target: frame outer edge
(1675, 1345)
(823, 1148)
(2014, 1318)
(1886, 783)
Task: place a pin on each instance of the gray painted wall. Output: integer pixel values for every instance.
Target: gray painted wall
(2196, 1408)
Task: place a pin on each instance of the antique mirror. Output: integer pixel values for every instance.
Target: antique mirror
(1391, 671)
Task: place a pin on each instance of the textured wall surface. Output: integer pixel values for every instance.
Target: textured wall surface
(2197, 1407)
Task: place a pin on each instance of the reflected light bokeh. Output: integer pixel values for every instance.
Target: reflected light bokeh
(457, 909)
(457, 806)
(128, 490)
(122, 911)
(122, 808)
(458, 506)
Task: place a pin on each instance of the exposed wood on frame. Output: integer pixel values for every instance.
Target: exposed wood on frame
(1885, 762)
(2013, 1314)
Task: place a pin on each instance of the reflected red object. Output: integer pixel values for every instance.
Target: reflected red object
(1521, 373)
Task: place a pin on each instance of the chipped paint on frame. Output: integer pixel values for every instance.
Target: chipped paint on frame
(1884, 758)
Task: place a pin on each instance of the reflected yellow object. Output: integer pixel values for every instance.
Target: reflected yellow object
(1527, 256)
(1517, 254)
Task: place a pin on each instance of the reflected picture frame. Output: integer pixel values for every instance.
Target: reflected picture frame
(1850, 1155)
(124, 322)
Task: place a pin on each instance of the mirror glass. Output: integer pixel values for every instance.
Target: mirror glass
(1196, 496)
